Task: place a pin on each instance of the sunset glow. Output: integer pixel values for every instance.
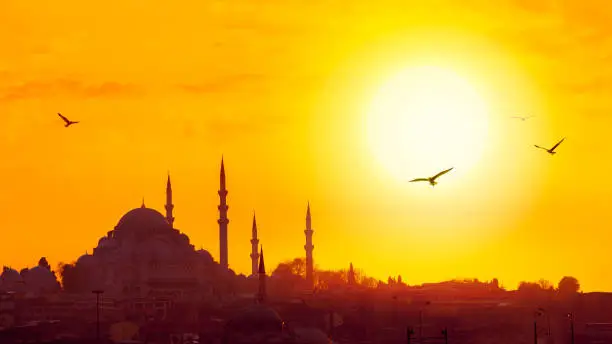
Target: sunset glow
(335, 104)
(425, 119)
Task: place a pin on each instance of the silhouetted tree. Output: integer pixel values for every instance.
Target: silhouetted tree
(568, 285)
(331, 279)
(531, 291)
(74, 279)
(286, 277)
(42, 262)
(545, 284)
(368, 282)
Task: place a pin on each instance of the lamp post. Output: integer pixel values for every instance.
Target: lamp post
(409, 333)
(98, 292)
(542, 311)
(421, 322)
(445, 334)
(571, 317)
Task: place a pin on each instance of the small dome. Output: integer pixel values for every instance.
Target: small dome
(104, 242)
(10, 275)
(40, 278)
(255, 319)
(185, 238)
(85, 260)
(205, 256)
(140, 219)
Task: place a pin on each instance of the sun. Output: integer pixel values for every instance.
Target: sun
(427, 119)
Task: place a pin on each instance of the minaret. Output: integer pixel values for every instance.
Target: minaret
(223, 221)
(254, 245)
(351, 275)
(143, 205)
(309, 247)
(169, 205)
(261, 294)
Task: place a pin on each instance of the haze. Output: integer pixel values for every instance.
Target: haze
(279, 89)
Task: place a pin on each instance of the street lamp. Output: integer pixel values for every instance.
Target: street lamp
(571, 318)
(445, 334)
(409, 333)
(541, 311)
(98, 292)
(536, 314)
(421, 321)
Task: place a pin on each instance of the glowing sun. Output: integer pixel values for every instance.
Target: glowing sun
(427, 119)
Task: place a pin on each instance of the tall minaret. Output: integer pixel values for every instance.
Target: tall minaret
(261, 293)
(309, 247)
(254, 246)
(169, 205)
(223, 221)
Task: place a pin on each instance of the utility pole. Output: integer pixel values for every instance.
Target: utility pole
(445, 333)
(409, 333)
(535, 332)
(97, 292)
(571, 317)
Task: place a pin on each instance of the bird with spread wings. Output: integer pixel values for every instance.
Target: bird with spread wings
(68, 122)
(522, 118)
(552, 150)
(432, 180)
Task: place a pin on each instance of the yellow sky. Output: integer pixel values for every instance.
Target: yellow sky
(278, 88)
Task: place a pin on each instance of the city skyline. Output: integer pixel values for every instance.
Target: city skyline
(169, 88)
(254, 256)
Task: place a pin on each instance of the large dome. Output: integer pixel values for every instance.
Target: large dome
(142, 218)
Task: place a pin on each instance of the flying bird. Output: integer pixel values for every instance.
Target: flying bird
(432, 180)
(68, 122)
(522, 118)
(552, 150)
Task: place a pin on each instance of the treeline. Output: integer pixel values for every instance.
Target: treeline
(292, 273)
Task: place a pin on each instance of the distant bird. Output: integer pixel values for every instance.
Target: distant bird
(522, 118)
(552, 150)
(68, 122)
(431, 180)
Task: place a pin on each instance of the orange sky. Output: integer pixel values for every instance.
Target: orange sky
(278, 88)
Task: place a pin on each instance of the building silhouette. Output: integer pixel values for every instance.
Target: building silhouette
(261, 293)
(223, 220)
(254, 246)
(169, 206)
(309, 248)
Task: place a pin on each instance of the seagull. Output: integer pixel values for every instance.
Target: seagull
(68, 122)
(522, 118)
(552, 150)
(432, 180)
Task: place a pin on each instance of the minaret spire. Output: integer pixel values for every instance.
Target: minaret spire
(143, 204)
(169, 205)
(223, 221)
(261, 295)
(309, 248)
(254, 246)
